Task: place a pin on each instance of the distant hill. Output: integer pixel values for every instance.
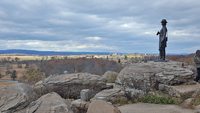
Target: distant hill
(33, 52)
(182, 58)
(177, 54)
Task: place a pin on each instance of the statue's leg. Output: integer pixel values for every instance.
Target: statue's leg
(160, 53)
(164, 53)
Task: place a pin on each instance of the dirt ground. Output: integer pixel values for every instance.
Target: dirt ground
(153, 108)
(5, 84)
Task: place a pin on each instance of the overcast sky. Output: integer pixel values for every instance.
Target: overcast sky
(126, 26)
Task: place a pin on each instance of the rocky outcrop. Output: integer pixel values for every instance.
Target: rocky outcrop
(196, 93)
(70, 85)
(49, 103)
(197, 109)
(110, 76)
(100, 106)
(85, 95)
(111, 95)
(16, 97)
(184, 91)
(187, 103)
(140, 78)
(82, 106)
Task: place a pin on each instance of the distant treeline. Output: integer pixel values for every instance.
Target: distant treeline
(182, 58)
(42, 53)
(94, 66)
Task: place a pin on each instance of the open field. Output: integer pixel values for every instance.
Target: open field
(22, 57)
(20, 71)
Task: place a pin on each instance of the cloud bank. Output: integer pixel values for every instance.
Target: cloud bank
(99, 25)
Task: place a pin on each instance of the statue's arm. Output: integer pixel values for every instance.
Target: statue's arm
(165, 33)
(158, 33)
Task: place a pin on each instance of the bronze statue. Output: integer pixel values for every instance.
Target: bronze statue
(162, 40)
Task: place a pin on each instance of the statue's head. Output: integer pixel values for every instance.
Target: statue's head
(164, 21)
(198, 53)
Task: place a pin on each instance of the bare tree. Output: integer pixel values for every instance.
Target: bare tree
(16, 59)
(8, 58)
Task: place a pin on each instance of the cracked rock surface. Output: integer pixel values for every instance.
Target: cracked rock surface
(70, 85)
(49, 103)
(16, 97)
(140, 78)
(100, 106)
(111, 95)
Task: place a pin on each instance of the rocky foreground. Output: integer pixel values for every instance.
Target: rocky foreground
(153, 108)
(92, 93)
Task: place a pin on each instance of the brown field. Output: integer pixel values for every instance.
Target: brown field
(20, 71)
(5, 84)
(22, 57)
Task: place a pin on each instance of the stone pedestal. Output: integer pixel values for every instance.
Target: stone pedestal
(85, 95)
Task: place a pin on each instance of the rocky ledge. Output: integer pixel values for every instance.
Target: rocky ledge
(70, 85)
(141, 78)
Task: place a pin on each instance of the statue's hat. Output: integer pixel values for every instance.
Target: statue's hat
(164, 21)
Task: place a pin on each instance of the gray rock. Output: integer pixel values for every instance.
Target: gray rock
(196, 93)
(100, 106)
(49, 103)
(82, 106)
(187, 103)
(16, 97)
(140, 78)
(85, 95)
(70, 85)
(197, 109)
(110, 76)
(111, 95)
(181, 90)
(161, 87)
(110, 85)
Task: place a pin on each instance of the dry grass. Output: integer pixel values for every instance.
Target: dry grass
(20, 71)
(23, 57)
(5, 84)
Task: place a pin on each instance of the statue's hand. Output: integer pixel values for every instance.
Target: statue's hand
(158, 33)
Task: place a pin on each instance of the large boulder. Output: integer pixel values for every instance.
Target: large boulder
(110, 76)
(100, 106)
(49, 103)
(16, 97)
(70, 85)
(115, 95)
(140, 78)
(188, 103)
(82, 106)
(183, 91)
(197, 109)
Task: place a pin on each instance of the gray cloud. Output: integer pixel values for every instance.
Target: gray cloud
(121, 26)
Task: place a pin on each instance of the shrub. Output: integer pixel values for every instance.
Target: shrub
(8, 72)
(157, 100)
(32, 76)
(112, 79)
(122, 101)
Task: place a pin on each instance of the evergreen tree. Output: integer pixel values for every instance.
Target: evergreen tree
(14, 75)
(119, 61)
(125, 57)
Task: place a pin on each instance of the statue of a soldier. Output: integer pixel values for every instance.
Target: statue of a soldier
(162, 40)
